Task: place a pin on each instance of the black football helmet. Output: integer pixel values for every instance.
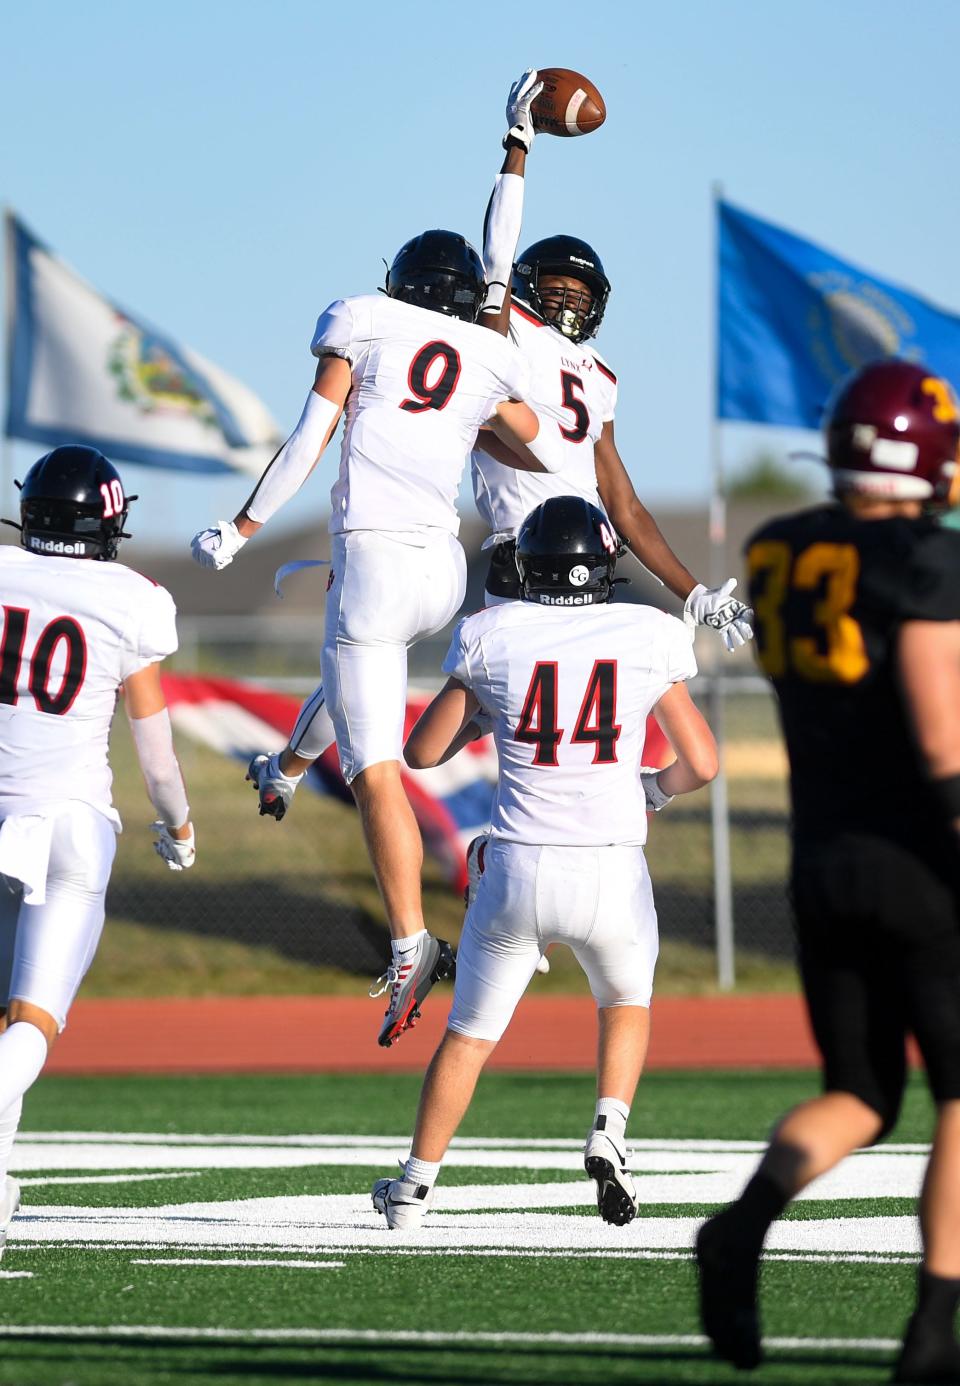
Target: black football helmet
(566, 554)
(72, 504)
(438, 270)
(568, 256)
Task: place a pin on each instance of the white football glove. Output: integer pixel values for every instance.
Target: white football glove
(519, 121)
(179, 856)
(217, 546)
(655, 797)
(716, 608)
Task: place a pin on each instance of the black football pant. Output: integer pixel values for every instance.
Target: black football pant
(878, 930)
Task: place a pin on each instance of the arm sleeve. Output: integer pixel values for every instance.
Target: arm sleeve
(153, 739)
(155, 634)
(501, 235)
(334, 332)
(295, 460)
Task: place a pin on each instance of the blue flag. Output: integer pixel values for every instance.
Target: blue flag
(81, 369)
(793, 320)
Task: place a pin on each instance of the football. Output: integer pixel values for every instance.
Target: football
(568, 105)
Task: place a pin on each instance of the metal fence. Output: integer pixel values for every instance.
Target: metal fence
(292, 906)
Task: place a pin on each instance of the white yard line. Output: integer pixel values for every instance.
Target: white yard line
(233, 1261)
(386, 1336)
(107, 1178)
(16, 1275)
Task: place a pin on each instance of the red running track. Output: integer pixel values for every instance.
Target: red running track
(318, 1034)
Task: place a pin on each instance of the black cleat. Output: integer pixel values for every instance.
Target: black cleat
(728, 1294)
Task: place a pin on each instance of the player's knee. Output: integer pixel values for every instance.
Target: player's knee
(26, 1012)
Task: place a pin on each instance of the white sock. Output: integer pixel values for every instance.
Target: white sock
(274, 769)
(400, 946)
(611, 1116)
(421, 1171)
(23, 1053)
(9, 1124)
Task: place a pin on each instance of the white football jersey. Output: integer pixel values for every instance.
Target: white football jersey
(569, 690)
(73, 630)
(423, 383)
(575, 392)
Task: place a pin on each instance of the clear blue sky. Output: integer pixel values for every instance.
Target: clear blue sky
(227, 168)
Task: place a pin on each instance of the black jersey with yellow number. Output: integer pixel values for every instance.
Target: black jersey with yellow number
(830, 592)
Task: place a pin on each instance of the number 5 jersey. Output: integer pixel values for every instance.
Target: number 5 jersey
(73, 631)
(423, 384)
(830, 593)
(570, 690)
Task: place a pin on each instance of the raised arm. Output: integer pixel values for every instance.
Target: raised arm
(504, 215)
(714, 607)
(928, 657)
(285, 474)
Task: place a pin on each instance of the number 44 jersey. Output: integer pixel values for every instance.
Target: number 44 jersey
(73, 630)
(570, 689)
(830, 593)
(423, 384)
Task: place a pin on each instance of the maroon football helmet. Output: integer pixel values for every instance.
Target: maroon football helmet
(893, 430)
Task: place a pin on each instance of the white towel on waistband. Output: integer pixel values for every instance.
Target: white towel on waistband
(25, 853)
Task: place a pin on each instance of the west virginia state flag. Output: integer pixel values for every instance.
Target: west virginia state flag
(794, 319)
(83, 370)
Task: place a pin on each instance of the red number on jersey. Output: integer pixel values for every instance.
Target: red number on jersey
(570, 384)
(62, 628)
(435, 394)
(597, 721)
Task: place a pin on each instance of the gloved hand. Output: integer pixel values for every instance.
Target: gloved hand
(716, 608)
(655, 797)
(519, 121)
(178, 855)
(218, 546)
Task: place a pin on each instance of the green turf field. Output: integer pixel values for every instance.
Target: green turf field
(219, 1230)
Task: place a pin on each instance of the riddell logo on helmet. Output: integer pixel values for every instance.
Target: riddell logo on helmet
(566, 599)
(55, 546)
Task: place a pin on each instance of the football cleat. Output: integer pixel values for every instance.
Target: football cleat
(928, 1355)
(409, 981)
(402, 1203)
(274, 787)
(606, 1163)
(9, 1204)
(728, 1293)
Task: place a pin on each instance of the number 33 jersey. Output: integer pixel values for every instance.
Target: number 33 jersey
(73, 630)
(423, 383)
(575, 394)
(570, 690)
(830, 593)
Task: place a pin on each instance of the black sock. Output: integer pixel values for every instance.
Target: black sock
(937, 1300)
(760, 1204)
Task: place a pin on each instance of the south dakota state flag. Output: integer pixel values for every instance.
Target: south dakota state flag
(83, 370)
(794, 320)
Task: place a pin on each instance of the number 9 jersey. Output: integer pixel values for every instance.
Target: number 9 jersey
(575, 393)
(73, 631)
(423, 384)
(830, 592)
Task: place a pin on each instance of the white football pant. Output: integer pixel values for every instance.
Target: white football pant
(388, 590)
(598, 900)
(45, 950)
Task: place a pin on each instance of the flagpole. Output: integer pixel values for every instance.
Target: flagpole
(719, 800)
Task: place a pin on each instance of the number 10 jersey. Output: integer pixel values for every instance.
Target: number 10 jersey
(570, 690)
(73, 630)
(423, 384)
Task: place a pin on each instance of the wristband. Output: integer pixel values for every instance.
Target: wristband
(947, 791)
